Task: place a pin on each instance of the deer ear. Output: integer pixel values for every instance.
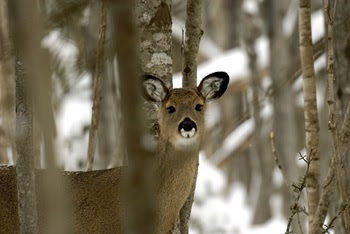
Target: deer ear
(154, 89)
(214, 85)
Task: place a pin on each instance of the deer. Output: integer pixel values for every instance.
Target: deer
(98, 199)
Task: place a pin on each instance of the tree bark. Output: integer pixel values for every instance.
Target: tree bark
(97, 87)
(330, 182)
(28, 25)
(333, 116)
(7, 85)
(283, 101)
(110, 154)
(191, 44)
(189, 79)
(342, 64)
(262, 211)
(154, 25)
(228, 35)
(142, 212)
(27, 204)
(310, 108)
(154, 22)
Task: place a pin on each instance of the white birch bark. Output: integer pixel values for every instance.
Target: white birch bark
(310, 108)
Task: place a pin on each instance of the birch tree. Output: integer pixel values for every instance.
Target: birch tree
(154, 27)
(310, 108)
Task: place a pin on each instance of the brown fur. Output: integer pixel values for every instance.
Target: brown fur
(95, 196)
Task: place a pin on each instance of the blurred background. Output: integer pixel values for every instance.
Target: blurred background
(239, 189)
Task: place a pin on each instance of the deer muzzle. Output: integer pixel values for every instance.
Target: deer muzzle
(187, 128)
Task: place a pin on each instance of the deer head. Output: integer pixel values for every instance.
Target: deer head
(182, 111)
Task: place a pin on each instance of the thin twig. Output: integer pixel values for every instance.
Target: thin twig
(298, 188)
(299, 224)
(330, 224)
(97, 87)
(285, 179)
(329, 184)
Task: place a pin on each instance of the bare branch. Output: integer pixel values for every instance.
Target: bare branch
(279, 165)
(97, 87)
(330, 224)
(298, 188)
(191, 46)
(332, 124)
(329, 184)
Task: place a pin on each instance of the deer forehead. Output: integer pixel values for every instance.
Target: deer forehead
(184, 97)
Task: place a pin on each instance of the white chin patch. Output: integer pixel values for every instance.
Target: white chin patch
(188, 134)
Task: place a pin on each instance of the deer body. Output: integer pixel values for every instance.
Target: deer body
(98, 197)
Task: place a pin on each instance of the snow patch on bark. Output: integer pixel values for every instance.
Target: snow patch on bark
(159, 36)
(159, 59)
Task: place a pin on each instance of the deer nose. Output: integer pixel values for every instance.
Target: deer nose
(187, 124)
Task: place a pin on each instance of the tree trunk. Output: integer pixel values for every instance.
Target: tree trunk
(97, 87)
(262, 211)
(329, 183)
(228, 35)
(342, 65)
(7, 86)
(28, 32)
(189, 80)
(310, 108)
(191, 46)
(108, 143)
(283, 101)
(154, 23)
(142, 211)
(333, 115)
(27, 204)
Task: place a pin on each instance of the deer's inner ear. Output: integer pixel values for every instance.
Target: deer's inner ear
(214, 85)
(154, 89)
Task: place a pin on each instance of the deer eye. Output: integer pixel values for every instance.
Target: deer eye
(171, 109)
(199, 107)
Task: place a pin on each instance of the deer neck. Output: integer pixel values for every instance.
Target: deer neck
(175, 174)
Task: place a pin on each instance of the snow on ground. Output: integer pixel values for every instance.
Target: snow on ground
(73, 117)
(218, 211)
